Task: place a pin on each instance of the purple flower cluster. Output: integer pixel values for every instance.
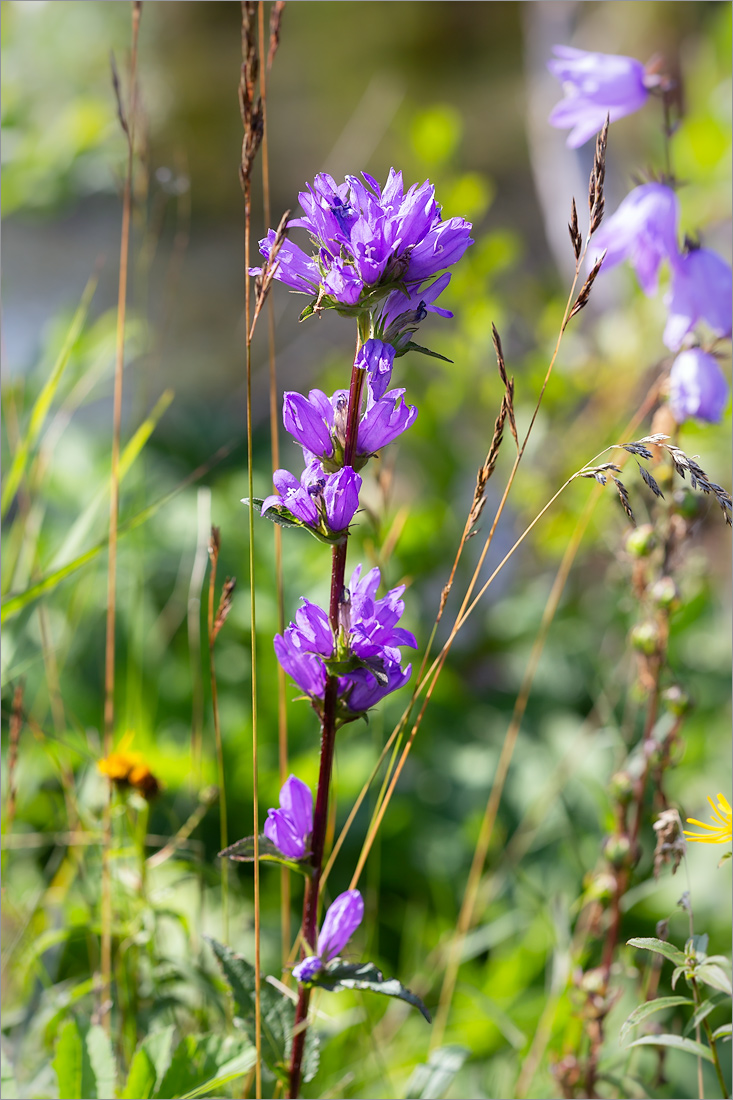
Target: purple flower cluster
(341, 921)
(697, 387)
(368, 242)
(367, 648)
(595, 85)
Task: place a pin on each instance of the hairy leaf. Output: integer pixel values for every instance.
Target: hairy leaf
(675, 1042)
(242, 851)
(340, 975)
(651, 943)
(648, 1009)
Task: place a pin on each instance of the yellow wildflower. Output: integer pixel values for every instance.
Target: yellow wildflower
(721, 831)
(130, 769)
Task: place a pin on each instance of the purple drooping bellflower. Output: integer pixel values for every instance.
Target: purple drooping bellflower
(368, 241)
(595, 85)
(289, 827)
(643, 231)
(697, 387)
(341, 921)
(700, 291)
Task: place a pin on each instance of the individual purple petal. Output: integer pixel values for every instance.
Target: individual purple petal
(397, 304)
(306, 970)
(367, 585)
(595, 85)
(377, 358)
(296, 800)
(343, 283)
(701, 291)
(305, 421)
(294, 267)
(293, 495)
(643, 231)
(697, 387)
(384, 421)
(314, 628)
(442, 246)
(341, 921)
(281, 831)
(341, 496)
(306, 669)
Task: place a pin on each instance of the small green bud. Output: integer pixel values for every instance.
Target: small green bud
(641, 541)
(665, 593)
(687, 503)
(645, 637)
(676, 699)
(621, 787)
(618, 850)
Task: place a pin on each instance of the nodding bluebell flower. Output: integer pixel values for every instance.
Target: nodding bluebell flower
(643, 231)
(368, 240)
(401, 314)
(341, 921)
(697, 387)
(595, 85)
(290, 827)
(367, 647)
(700, 291)
(326, 503)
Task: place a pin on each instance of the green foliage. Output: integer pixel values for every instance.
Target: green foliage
(340, 975)
(243, 851)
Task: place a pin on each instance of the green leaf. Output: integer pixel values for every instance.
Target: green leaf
(74, 1071)
(723, 1032)
(340, 975)
(196, 1061)
(434, 1078)
(704, 1010)
(140, 1082)
(283, 517)
(714, 976)
(675, 1042)
(308, 311)
(243, 851)
(230, 1071)
(149, 1064)
(102, 1060)
(42, 403)
(277, 1013)
(412, 346)
(724, 858)
(649, 1008)
(651, 943)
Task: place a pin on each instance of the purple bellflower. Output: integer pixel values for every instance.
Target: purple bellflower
(368, 240)
(643, 231)
(290, 827)
(369, 639)
(318, 422)
(595, 85)
(401, 314)
(701, 291)
(326, 503)
(341, 921)
(697, 387)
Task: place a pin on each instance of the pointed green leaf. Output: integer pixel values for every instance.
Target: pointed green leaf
(43, 401)
(73, 1068)
(714, 976)
(648, 1009)
(651, 943)
(412, 346)
(674, 1042)
(230, 1071)
(102, 1059)
(704, 1010)
(724, 858)
(432, 1080)
(283, 517)
(140, 1082)
(243, 851)
(723, 1032)
(340, 975)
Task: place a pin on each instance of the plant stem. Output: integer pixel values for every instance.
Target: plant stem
(328, 740)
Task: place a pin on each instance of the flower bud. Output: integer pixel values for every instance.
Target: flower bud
(664, 593)
(618, 850)
(676, 699)
(641, 541)
(621, 787)
(645, 637)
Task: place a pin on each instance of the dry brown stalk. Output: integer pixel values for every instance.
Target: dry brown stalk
(275, 20)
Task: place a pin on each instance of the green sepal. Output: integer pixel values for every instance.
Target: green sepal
(283, 517)
(243, 851)
(337, 975)
(412, 346)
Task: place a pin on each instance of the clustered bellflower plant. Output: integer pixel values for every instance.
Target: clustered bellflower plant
(378, 255)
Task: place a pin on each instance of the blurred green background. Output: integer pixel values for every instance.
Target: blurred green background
(458, 93)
